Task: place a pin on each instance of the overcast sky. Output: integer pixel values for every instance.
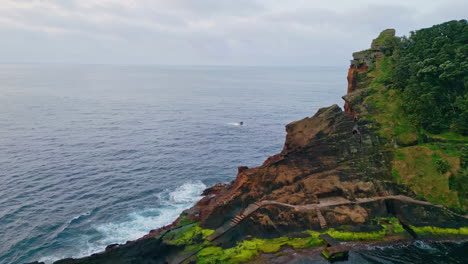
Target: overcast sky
(199, 32)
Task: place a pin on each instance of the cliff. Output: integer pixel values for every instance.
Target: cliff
(335, 175)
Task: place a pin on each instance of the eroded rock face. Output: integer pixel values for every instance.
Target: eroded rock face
(362, 60)
(321, 158)
(355, 86)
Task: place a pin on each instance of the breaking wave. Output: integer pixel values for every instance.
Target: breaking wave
(139, 223)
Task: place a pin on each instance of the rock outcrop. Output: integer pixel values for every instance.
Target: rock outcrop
(334, 172)
(358, 80)
(321, 158)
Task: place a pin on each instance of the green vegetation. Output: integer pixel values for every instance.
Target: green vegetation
(459, 182)
(386, 42)
(396, 176)
(187, 235)
(418, 97)
(432, 230)
(427, 171)
(325, 254)
(384, 106)
(183, 220)
(442, 166)
(193, 238)
(335, 256)
(248, 249)
(431, 72)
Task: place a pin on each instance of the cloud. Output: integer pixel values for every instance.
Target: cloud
(207, 31)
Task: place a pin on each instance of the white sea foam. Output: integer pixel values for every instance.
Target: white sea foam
(187, 193)
(141, 222)
(422, 245)
(138, 224)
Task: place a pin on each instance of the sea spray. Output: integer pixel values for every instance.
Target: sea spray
(139, 223)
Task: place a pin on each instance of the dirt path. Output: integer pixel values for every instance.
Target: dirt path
(323, 203)
(331, 201)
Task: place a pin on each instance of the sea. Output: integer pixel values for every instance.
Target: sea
(92, 155)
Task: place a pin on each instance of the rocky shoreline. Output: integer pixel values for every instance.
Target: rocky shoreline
(333, 176)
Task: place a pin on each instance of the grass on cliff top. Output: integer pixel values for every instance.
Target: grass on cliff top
(414, 166)
(451, 137)
(383, 36)
(427, 172)
(383, 106)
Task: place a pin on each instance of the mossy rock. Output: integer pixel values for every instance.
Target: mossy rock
(383, 36)
(407, 139)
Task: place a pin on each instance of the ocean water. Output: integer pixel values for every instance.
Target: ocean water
(94, 155)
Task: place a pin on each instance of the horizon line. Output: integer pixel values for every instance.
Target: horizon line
(167, 65)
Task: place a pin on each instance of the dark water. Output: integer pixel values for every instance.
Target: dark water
(93, 155)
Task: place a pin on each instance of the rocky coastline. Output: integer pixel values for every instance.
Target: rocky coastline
(334, 176)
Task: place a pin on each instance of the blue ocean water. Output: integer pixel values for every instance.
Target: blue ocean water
(92, 155)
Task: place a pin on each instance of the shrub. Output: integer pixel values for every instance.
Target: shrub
(442, 166)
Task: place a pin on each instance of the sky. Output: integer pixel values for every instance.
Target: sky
(207, 32)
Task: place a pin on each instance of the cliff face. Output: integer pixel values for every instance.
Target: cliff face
(321, 158)
(353, 76)
(358, 79)
(331, 154)
(335, 171)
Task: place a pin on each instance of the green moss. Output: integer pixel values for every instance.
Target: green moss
(325, 254)
(389, 226)
(397, 227)
(210, 251)
(206, 233)
(211, 255)
(248, 249)
(242, 252)
(187, 235)
(352, 236)
(432, 230)
(362, 53)
(193, 238)
(183, 220)
(384, 35)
